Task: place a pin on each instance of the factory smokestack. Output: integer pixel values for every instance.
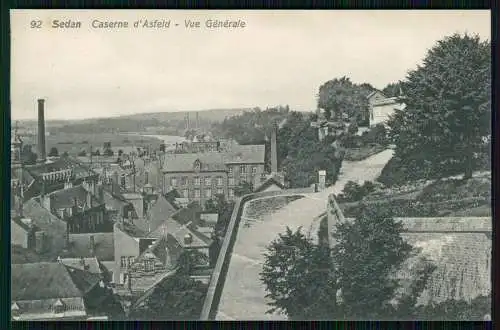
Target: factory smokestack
(274, 152)
(41, 131)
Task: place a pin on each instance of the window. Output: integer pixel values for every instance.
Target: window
(184, 180)
(230, 171)
(220, 181)
(123, 262)
(243, 178)
(58, 307)
(208, 192)
(254, 169)
(231, 193)
(130, 261)
(196, 181)
(185, 193)
(149, 265)
(231, 181)
(173, 182)
(197, 193)
(208, 181)
(243, 169)
(220, 191)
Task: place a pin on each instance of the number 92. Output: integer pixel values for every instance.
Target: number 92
(36, 24)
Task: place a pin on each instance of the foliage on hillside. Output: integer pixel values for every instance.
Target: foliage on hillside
(442, 198)
(445, 128)
(251, 127)
(356, 280)
(300, 154)
(342, 99)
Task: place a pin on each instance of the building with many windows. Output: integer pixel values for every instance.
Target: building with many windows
(202, 176)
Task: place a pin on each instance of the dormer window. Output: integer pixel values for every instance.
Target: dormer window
(15, 309)
(197, 165)
(188, 239)
(58, 307)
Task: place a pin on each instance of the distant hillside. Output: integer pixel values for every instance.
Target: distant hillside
(168, 123)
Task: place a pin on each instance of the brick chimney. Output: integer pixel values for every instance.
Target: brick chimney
(274, 152)
(41, 131)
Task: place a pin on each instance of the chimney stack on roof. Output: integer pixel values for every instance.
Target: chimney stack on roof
(41, 131)
(274, 152)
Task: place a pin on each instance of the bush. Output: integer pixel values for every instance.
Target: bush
(377, 134)
(354, 192)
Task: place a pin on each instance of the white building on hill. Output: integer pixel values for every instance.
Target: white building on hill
(381, 107)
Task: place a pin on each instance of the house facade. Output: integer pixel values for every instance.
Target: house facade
(200, 177)
(382, 107)
(50, 291)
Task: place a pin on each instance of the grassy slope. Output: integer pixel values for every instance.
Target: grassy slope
(440, 198)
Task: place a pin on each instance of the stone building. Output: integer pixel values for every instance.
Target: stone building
(200, 177)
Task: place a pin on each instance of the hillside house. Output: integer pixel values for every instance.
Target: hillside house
(382, 107)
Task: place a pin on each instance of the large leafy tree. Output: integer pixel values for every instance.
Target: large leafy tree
(341, 96)
(298, 276)
(448, 101)
(357, 279)
(368, 252)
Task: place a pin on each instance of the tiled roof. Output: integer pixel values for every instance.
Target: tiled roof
(76, 263)
(84, 281)
(44, 280)
(43, 309)
(216, 161)
(160, 211)
(38, 214)
(246, 154)
(114, 201)
(268, 182)
(131, 229)
(21, 224)
(375, 92)
(104, 248)
(26, 176)
(179, 231)
(79, 170)
(65, 198)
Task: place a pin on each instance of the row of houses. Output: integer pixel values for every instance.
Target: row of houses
(102, 229)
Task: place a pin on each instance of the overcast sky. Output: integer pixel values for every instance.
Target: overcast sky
(280, 57)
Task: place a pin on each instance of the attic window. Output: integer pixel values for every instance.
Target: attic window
(197, 164)
(16, 310)
(58, 307)
(188, 239)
